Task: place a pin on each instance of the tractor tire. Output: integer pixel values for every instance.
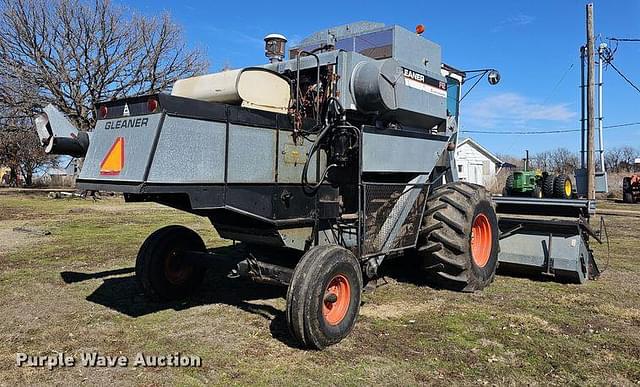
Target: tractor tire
(547, 185)
(626, 185)
(627, 197)
(159, 269)
(537, 192)
(323, 298)
(458, 242)
(508, 186)
(562, 187)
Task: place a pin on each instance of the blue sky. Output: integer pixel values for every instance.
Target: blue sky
(533, 44)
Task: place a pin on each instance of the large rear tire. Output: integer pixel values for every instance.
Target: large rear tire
(562, 187)
(626, 184)
(161, 271)
(627, 190)
(459, 238)
(627, 197)
(508, 186)
(323, 298)
(547, 185)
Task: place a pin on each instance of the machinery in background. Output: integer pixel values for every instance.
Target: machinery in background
(631, 189)
(537, 184)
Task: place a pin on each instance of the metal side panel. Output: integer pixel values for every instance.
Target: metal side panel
(292, 158)
(554, 246)
(530, 249)
(386, 153)
(189, 151)
(252, 155)
(138, 134)
(547, 206)
(601, 183)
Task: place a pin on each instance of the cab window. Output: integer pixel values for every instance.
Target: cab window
(453, 92)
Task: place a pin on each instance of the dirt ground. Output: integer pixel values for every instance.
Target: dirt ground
(67, 286)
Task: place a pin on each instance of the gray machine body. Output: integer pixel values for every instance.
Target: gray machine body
(403, 83)
(168, 149)
(242, 168)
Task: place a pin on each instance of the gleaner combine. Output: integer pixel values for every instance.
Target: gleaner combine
(324, 165)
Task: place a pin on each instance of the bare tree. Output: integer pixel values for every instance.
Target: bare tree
(563, 161)
(510, 159)
(627, 157)
(612, 159)
(20, 150)
(74, 53)
(542, 161)
(620, 159)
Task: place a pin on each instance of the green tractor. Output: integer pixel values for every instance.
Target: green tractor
(538, 184)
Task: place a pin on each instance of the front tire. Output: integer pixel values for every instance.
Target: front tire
(161, 271)
(323, 298)
(459, 238)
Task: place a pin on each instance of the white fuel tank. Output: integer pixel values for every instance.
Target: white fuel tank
(253, 87)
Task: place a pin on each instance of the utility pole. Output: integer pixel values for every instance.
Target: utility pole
(591, 170)
(583, 103)
(601, 52)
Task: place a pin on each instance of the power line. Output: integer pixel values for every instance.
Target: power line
(624, 39)
(607, 56)
(533, 132)
(623, 76)
(557, 84)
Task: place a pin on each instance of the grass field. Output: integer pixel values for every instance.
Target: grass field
(73, 291)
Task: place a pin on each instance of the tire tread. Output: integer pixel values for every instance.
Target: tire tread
(443, 242)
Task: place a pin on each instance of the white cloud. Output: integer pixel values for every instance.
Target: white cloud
(514, 21)
(235, 36)
(512, 110)
(520, 20)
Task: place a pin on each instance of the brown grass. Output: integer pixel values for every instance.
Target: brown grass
(518, 331)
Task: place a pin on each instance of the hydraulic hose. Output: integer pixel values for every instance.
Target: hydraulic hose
(312, 151)
(332, 104)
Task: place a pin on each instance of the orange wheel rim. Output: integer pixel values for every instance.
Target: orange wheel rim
(337, 297)
(481, 240)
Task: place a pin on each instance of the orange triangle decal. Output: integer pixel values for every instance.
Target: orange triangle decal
(114, 160)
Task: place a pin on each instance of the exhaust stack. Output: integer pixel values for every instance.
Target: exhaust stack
(58, 135)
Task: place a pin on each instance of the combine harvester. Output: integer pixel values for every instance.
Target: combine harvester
(324, 165)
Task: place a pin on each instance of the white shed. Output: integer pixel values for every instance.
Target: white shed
(475, 163)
